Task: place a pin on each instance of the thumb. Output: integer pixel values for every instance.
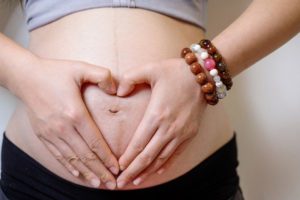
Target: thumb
(132, 77)
(100, 76)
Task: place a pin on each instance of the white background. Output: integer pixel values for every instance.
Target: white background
(264, 107)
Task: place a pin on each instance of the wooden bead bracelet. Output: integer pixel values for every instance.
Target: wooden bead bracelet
(205, 54)
(219, 62)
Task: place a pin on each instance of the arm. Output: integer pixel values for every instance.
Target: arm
(8, 64)
(51, 92)
(263, 27)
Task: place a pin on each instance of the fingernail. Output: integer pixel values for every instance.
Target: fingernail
(95, 182)
(137, 181)
(160, 171)
(110, 185)
(122, 168)
(120, 91)
(109, 90)
(121, 184)
(112, 89)
(114, 170)
(75, 173)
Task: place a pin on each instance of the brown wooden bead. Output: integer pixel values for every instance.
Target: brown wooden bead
(224, 75)
(196, 68)
(204, 43)
(190, 58)
(208, 88)
(221, 67)
(211, 96)
(226, 81)
(229, 85)
(211, 49)
(201, 78)
(184, 51)
(217, 57)
(213, 102)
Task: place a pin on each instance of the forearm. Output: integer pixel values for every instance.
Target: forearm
(263, 27)
(14, 61)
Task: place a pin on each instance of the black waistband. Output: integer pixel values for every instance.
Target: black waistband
(23, 178)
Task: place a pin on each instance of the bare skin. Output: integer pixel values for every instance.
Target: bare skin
(126, 48)
(88, 37)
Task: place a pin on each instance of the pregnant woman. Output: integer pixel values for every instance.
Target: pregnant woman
(110, 110)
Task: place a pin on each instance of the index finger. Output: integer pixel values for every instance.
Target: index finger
(143, 134)
(91, 134)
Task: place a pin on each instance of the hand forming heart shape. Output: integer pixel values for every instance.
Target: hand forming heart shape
(162, 130)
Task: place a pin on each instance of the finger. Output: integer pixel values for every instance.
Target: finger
(145, 158)
(134, 76)
(58, 156)
(89, 159)
(144, 132)
(90, 133)
(158, 162)
(92, 136)
(70, 156)
(174, 156)
(98, 75)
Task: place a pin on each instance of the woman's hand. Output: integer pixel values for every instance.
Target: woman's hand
(51, 91)
(171, 119)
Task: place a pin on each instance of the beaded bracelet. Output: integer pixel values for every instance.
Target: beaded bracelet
(220, 63)
(206, 54)
(210, 65)
(207, 87)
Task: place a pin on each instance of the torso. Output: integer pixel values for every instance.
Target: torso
(118, 39)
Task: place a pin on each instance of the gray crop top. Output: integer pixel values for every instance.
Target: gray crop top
(42, 12)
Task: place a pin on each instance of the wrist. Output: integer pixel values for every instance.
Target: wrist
(15, 62)
(208, 64)
(20, 70)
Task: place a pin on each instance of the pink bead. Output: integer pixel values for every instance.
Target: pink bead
(209, 64)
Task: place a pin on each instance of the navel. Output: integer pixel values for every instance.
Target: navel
(113, 110)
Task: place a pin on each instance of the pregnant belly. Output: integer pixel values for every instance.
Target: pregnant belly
(116, 117)
(118, 39)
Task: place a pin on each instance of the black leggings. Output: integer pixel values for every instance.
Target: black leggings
(23, 178)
